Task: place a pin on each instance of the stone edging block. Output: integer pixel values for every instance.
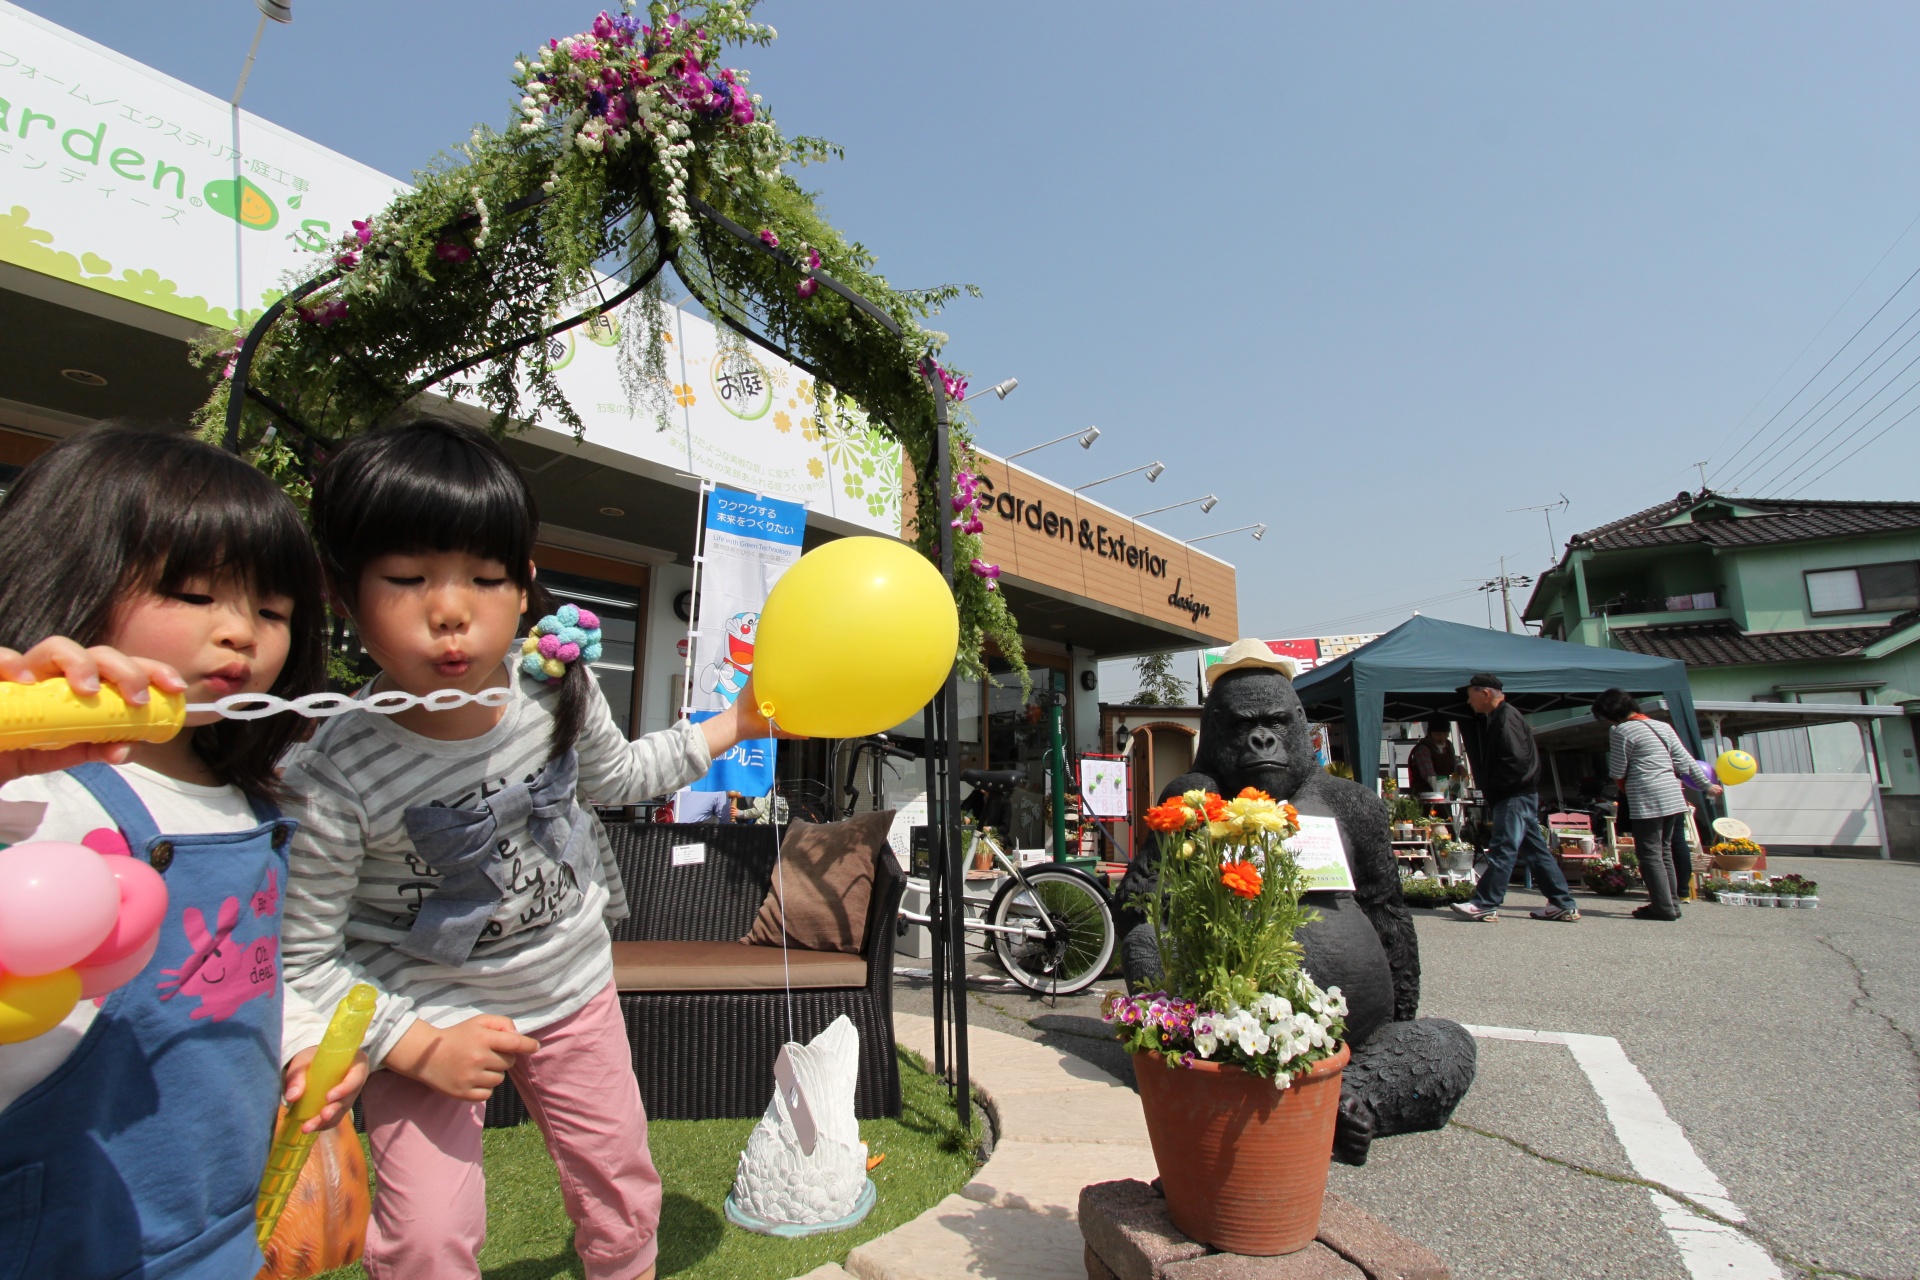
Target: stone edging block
(1129, 1236)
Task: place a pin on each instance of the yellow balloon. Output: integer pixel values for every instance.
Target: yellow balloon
(33, 1006)
(1735, 767)
(858, 635)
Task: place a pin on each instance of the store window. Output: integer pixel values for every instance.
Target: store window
(619, 608)
(1864, 589)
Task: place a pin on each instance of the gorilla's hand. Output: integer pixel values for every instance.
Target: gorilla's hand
(1353, 1131)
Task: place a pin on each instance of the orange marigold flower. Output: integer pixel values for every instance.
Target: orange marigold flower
(1293, 814)
(1241, 878)
(1171, 816)
(1252, 793)
(1216, 807)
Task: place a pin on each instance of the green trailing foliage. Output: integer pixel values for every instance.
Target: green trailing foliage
(586, 194)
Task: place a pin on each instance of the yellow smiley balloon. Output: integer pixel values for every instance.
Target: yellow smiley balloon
(857, 636)
(1735, 767)
(33, 1006)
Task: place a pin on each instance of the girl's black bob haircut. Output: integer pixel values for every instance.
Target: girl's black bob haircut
(1615, 705)
(431, 485)
(118, 510)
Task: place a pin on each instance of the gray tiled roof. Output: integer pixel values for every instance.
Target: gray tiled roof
(1778, 521)
(1722, 644)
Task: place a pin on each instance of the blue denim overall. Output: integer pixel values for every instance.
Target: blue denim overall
(141, 1155)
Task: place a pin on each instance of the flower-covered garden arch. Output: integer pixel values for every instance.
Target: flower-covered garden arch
(633, 151)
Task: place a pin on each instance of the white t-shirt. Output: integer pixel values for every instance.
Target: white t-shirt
(182, 808)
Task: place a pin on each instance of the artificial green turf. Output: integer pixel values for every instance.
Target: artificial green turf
(530, 1238)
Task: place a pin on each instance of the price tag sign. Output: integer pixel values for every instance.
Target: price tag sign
(689, 855)
(1321, 853)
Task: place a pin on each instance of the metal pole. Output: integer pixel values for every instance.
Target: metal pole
(950, 815)
(1873, 782)
(936, 872)
(1059, 749)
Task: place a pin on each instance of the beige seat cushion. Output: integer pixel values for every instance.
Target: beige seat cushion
(729, 966)
(825, 876)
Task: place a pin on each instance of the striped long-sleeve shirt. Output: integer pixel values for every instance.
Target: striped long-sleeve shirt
(355, 881)
(1648, 754)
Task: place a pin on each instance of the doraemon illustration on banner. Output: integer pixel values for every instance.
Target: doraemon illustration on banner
(748, 542)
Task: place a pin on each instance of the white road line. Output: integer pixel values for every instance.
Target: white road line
(1658, 1150)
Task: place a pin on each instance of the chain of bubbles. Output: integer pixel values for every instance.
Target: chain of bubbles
(319, 706)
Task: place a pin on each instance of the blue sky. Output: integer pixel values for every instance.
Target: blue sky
(1373, 274)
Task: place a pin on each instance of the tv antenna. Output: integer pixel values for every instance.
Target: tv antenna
(1547, 509)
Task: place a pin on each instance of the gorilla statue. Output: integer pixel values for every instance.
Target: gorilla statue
(1407, 1073)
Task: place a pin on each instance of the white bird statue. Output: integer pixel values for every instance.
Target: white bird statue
(805, 1168)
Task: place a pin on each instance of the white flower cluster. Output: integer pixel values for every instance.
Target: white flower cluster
(1275, 1026)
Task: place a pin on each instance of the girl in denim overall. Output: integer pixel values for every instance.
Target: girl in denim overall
(133, 1136)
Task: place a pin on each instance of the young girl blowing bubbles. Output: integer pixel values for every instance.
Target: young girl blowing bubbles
(133, 1136)
(446, 858)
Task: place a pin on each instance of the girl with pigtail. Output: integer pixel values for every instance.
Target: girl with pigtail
(449, 859)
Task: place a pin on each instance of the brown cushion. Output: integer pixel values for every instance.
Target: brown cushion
(825, 874)
(729, 966)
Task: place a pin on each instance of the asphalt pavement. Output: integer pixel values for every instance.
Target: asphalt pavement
(1785, 1044)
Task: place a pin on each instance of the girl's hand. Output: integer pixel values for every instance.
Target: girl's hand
(741, 722)
(339, 1098)
(467, 1060)
(83, 669)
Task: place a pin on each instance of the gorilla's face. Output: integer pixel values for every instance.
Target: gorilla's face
(1254, 733)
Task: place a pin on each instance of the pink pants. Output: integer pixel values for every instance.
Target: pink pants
(430, 1211)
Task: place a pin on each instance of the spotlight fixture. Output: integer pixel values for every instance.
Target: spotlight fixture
(1259, 531)
(612, 511)
(1000, 389)
(84, 377)
(1154, 471)
(1086, 438)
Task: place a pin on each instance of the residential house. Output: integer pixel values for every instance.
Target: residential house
(1766, 600)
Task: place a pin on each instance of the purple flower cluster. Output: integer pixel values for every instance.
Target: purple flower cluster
(1157, 1020)
(617, 54)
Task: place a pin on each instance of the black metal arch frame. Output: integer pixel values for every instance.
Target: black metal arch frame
(941, 716)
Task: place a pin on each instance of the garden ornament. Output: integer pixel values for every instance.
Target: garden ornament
(805, 1169)
(1407, 1073)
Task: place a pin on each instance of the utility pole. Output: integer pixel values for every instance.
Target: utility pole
(1506, 604)
(1504, 584)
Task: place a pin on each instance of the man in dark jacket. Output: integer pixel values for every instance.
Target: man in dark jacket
(1506, 764)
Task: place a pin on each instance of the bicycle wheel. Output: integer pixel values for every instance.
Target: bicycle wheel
(1072, 913)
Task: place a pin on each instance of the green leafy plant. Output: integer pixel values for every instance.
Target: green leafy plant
(1224, 910)
(1403, 809)
(593, 188)
(1424, 891)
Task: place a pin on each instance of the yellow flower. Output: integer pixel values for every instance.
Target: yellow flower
(782, 423)
(1186, 848)
(809, 429)
(804, 390)
(815, 468)
(682, 394)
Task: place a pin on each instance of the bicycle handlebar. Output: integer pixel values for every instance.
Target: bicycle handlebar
(992, 777)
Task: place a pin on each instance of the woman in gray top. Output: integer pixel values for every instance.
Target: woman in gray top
(1646, 758)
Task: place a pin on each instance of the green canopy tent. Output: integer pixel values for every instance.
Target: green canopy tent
(1415, 671)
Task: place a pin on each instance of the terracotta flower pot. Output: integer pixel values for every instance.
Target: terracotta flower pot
(1734, 861)
(1243, 1163)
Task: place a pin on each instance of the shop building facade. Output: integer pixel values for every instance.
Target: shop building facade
(106, 282)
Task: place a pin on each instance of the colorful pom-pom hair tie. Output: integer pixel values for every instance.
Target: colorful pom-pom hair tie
(560, 639)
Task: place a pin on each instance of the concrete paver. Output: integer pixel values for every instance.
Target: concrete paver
(961, 1238)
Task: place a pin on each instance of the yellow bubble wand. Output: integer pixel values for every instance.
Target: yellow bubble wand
(330, 1064)
(50, 713)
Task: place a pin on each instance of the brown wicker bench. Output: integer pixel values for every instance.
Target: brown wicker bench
(706, 1014)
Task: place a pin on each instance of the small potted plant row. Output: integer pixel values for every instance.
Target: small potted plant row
(1792, 891)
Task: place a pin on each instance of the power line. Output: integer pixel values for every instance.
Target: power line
(1788, 473)
(1788, 368)
(1788, 434)
(1794, 463)
(1876, 435)
(1822, 369)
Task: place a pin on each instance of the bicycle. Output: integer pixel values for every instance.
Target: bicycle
(1052, 927)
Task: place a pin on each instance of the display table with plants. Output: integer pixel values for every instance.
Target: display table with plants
(1792, 891)
(1239, 1059)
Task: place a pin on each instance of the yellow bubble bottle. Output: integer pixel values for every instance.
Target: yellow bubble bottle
(51, 714)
